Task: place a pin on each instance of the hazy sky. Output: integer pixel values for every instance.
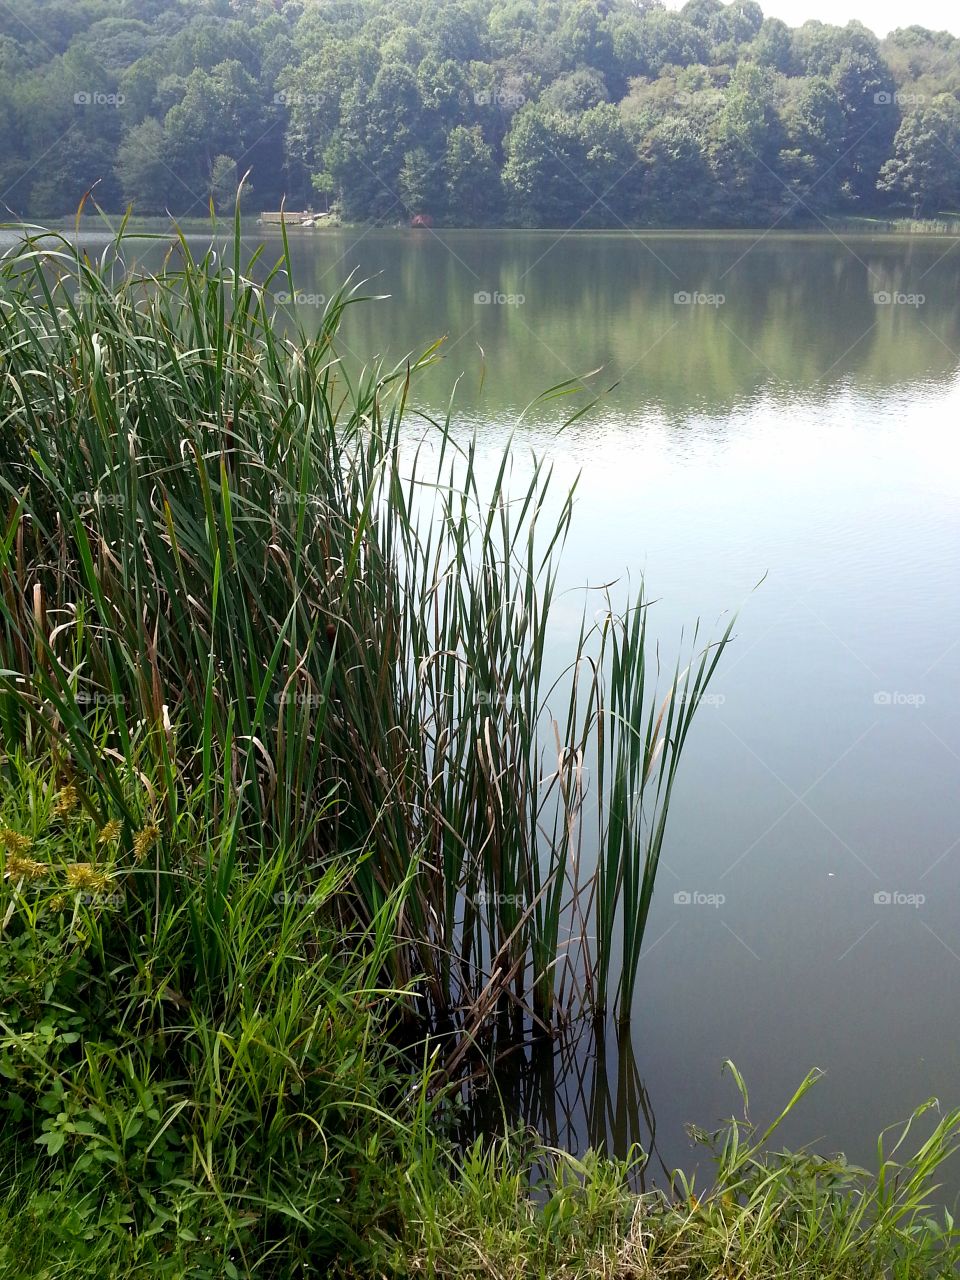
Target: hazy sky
(880, 15)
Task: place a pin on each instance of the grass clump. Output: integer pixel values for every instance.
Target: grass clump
(162, 1120)
(227, 556)
(763, 1215)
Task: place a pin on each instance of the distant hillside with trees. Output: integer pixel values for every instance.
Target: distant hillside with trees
(591, 113)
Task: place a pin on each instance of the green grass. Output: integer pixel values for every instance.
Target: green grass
(258, 576)
(266, 1124)
(763, 1215)
(943, 225)
(162, 1111)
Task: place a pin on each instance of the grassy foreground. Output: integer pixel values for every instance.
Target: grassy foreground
(263, 1123)
(281, 781)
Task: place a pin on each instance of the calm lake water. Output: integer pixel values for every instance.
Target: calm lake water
(797, 419)
(801, 429)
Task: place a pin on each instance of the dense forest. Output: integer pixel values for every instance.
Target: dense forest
(525, 112)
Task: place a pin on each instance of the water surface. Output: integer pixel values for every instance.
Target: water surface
(803, 428)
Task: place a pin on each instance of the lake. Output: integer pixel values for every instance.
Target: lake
(769, 407)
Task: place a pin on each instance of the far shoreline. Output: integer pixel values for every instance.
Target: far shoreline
(861, 228)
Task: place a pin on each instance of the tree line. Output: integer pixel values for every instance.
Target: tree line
(589, 113)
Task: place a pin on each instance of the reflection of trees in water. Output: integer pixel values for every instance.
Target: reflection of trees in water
(797, 317)
(582, 1088)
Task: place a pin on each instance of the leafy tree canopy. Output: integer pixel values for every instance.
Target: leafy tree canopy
(474, 112)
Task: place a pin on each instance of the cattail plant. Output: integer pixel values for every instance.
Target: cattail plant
(220, 551)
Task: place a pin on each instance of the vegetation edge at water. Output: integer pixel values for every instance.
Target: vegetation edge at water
(267, 1125)
(271, 789)
(830, 226)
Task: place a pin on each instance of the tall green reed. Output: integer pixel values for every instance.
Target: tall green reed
(233, 556)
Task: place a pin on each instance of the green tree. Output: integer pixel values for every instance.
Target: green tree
(445, 93)
(739, 23)
(116, 43)
(924, 167)
(538, 174)
(473, 189)
(773, 46)
(676, 180)
(815, 130)
(702, 13)
(312, 96)
(421, 183)
(866, 92)
(583, 37)
(225, 184)
(145, 175)
(378, 127)
(746, 143)
(627, 49)
(221, 114)
(666, 39)
(512, 26)
(575, 92)
(451, 31)
(564, 170)
(75, 165)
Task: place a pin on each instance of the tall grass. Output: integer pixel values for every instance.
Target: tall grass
(162, 1116)
(228, 559)
(763, 1214)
